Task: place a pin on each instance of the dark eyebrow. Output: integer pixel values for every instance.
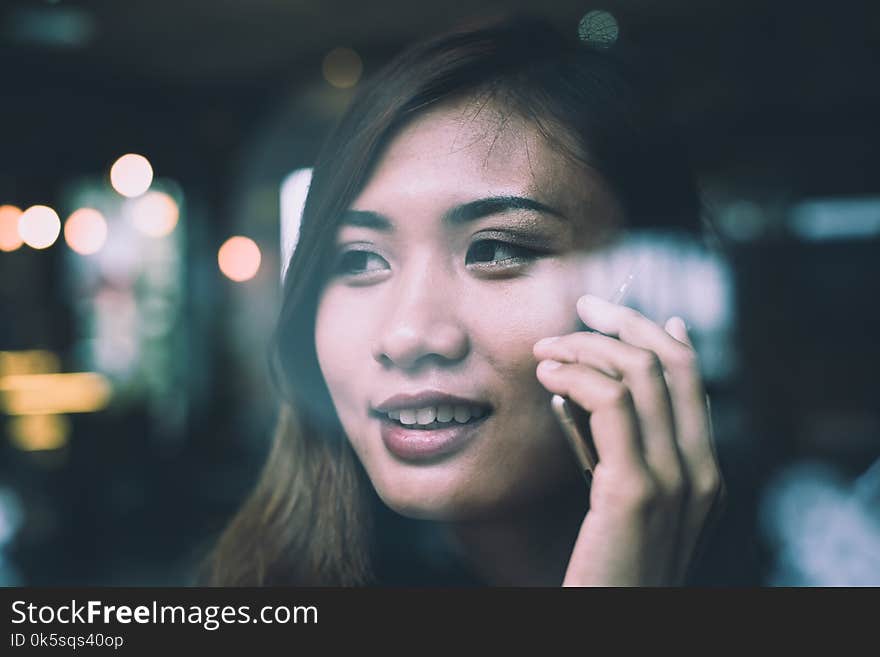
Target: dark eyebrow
(458, 215)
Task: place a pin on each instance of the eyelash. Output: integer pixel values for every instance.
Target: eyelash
(528, 255)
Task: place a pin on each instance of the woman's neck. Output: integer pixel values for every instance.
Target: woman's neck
(528, 546)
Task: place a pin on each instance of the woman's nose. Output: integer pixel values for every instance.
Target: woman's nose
(422, 322)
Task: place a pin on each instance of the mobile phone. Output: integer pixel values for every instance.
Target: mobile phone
(567, 413)
(572, 417)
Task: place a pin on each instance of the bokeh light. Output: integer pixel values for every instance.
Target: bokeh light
(342, 67)
(39, 226)
(30, 361)
(155, 214)
(32, 433)
(41, 394)
(239, 258)
(131, 175)
(10, 240)
(85, 231)
(598, 28)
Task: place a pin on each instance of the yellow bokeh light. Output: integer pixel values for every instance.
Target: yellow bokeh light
(39, 394)
(10, 240)
(85, 231)
(342, 67)
(155, 214)
(32, 433)
(39, 226)
(32, 361)
(239, 258)
(131, 175)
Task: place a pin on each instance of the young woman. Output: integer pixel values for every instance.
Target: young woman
(447, 219)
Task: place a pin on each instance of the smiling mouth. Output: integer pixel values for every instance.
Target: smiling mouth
(425, 443)
(435, 424)
(460, 419)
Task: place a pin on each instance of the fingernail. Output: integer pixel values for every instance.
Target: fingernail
(589, 299)
(678, 329)
(549, 365)
(546, 341)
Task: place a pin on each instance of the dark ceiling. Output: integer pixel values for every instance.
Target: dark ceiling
(223, 39)
(763, 86)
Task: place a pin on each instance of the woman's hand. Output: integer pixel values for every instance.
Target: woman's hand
(658, 478)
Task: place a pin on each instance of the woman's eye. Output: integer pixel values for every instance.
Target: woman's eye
(495, 252)
(483, 253)
(355, 261)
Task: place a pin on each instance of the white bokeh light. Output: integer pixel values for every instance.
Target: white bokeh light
(131, 175)
(39, 226)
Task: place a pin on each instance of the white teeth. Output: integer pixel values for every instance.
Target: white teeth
(462, 414)
(445, 413)
(426, 415)
(441, 413)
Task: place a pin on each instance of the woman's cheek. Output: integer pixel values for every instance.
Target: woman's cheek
(335, 338)
(526, 318)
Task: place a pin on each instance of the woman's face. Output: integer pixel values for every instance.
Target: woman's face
(453, 261)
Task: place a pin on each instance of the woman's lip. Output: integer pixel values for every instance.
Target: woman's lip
(423, 444)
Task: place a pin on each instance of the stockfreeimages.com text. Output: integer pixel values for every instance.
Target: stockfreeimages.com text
(211, 617)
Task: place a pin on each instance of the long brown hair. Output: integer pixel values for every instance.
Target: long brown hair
(314, 517)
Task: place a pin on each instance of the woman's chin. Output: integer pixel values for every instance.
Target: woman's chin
(458, 504)
(428, 503)
(437, 507)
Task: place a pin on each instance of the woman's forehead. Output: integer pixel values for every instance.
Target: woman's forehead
(467, 149)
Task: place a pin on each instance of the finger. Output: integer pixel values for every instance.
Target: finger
(627, 324)
(708, 495)
(681, 370)
(612, 418)
(690, 384)
(641, 371)
(692, 425)
(561, 349)
(694, 428)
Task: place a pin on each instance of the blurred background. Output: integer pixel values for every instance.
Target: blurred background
(154, 157)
